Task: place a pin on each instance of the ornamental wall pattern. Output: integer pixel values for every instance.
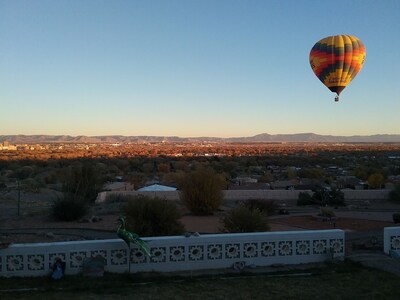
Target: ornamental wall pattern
(178, 253)
(391, 240)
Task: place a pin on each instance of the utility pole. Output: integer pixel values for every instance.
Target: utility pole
(19, 197)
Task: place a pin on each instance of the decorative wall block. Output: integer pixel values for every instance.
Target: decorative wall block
(119, 257)
(196, 253)
(214, 251)
(391, 240)
(303, 247)
(285, 248)
(36, 262)
(137, 256)
(232, 251)
(336, 245)
(395, 242)
(15, 262)
(53, 257)
(268, 248)
(159, 255)
(177, 254)
(250, 250)
(319, 247)
(76, 259)
(101, 253)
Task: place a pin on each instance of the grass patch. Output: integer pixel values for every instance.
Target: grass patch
(339, 281)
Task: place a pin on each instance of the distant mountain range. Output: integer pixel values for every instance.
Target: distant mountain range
(264, 137)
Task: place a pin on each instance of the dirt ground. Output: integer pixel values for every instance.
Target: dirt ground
(34, 225)
(34, 229)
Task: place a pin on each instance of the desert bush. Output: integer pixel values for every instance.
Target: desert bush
(244, 219)
(305, 198)
(82, 180)
(68, 208)
(336, 198)
(327, 212)
(394, 194)
(201, 191)
(267, 207)
(396, 217)
(333, 197)
(118, 197)
(153, 216)
(24, 172)
(2, 184)
(376, 180)
(31, 185)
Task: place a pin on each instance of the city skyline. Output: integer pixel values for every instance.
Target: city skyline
(192, 68)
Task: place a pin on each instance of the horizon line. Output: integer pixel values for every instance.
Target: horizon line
(201, 136)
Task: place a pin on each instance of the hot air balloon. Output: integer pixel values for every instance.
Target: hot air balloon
(336, 60)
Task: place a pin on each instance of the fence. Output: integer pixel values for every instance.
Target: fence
(391, 240)
(235, 195)
(178, 253)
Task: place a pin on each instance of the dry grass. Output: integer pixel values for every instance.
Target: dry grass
(341, 281)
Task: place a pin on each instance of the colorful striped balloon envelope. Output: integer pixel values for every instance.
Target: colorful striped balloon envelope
(336, 60)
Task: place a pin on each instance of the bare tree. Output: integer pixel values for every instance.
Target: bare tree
(202, 191)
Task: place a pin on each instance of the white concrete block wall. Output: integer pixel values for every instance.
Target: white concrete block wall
(237, 195)
(262, 194)
(178, 253)
(167, 195)
(366, 194)
(391, 240)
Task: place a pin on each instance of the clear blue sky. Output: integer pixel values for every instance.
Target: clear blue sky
(192, 68)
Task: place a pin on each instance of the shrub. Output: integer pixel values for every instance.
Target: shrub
(333, 197)
(244, 219)
(394, 194)
(31, 185)
(82, 180)
(396, 217)
(2, 185)
(117, 197)
(305, 198)
(327, 212)
(201, 192)
(336, 198)
(267, 207)
(376, 180)
(153, 216)
(68, 208)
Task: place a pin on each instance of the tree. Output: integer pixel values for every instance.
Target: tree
(201, 191)
(267, 177)
(311, 173)
(24, 172)
(291, 172)
(394, 194)
(325, 196)
(336, 197)
(305, 198)
(68, 207)
(163, 167)
(245, 219)
(153, 216)
(376, 180)
(2, 184)
(82, 181)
